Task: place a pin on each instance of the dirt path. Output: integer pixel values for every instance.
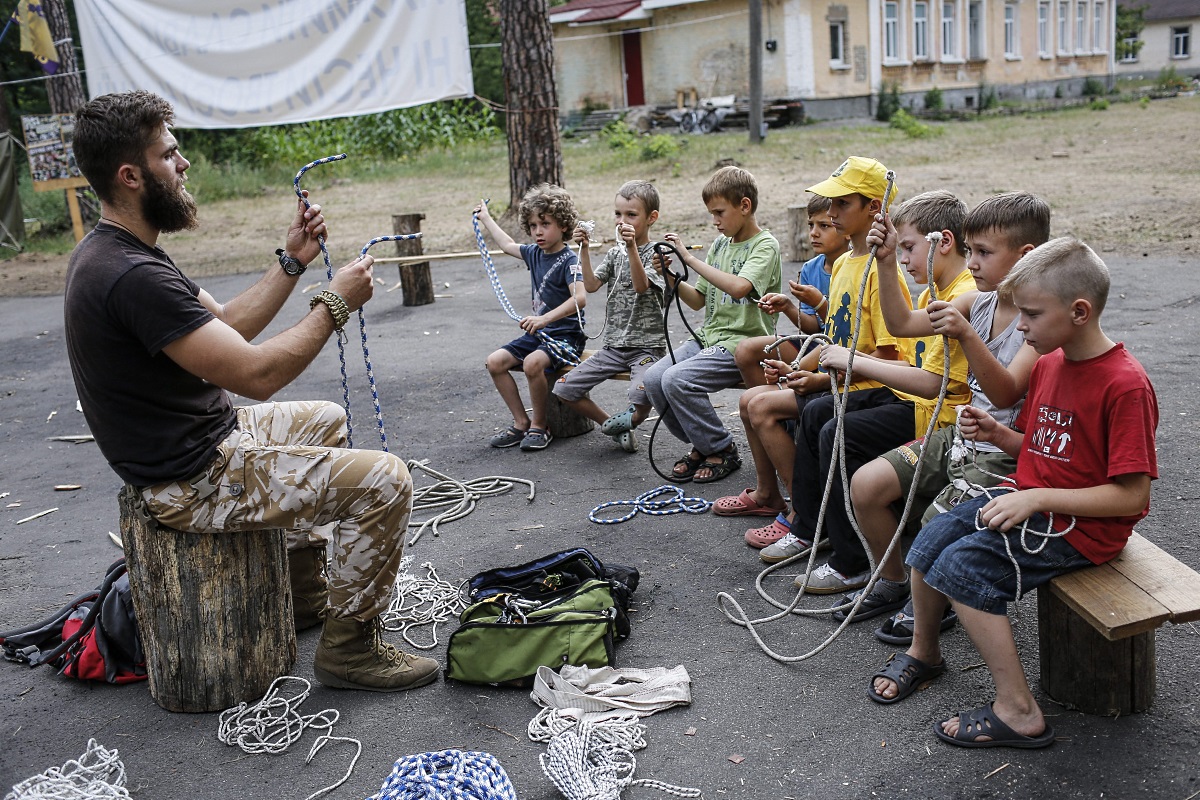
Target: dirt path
(1123, 179)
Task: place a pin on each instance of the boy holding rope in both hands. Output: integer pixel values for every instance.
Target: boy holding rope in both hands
(1084, 444)
(548, 215)
(983, 325)
(633, 331)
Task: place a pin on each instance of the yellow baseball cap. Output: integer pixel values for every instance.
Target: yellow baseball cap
(856, 175)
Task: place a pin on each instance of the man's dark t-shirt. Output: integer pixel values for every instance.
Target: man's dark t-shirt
(125, 301)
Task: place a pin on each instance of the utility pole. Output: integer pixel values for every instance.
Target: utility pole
(756, 65)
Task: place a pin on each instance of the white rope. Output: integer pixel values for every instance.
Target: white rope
(458, 498)
(594, 760)
(417, 602)
(98, 774)
(274, 723)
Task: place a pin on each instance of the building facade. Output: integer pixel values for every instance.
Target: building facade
(1167, 40)
(834, 56)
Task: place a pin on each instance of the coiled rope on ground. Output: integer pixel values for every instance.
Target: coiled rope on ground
(450, 774)
(274, 723)
(98, 774)
(417, 602)
(457, 498)
(670, 500)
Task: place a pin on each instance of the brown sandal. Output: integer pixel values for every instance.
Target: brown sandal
(730, 462)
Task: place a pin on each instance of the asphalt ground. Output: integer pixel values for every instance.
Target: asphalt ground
(762, 729)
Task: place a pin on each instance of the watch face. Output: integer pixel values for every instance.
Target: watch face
(290, 265)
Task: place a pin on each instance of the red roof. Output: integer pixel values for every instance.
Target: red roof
(598, 10)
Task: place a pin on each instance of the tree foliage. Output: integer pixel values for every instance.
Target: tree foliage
(1131, 21)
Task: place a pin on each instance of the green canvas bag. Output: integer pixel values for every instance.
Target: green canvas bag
(505, 638)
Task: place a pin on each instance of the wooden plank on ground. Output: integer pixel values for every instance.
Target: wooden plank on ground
(1110, 602)
(1169, 581)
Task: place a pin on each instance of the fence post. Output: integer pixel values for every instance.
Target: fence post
(799, 246)
(415, 280)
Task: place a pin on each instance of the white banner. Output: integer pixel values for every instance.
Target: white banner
(244, 63)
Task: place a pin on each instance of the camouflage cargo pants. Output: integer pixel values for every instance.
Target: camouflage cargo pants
(287, 466)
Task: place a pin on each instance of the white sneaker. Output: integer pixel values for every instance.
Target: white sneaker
(790, 545)
(827, 580)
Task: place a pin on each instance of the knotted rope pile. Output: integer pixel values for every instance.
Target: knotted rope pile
(274, 723)
(594, 760)
(417, 602)
(457, 498)
(450, 774)
(362, 320)
(671, 500)
(98, 774)
(563, 350)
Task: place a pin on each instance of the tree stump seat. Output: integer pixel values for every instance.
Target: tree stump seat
(214, 610)
(1096, 627)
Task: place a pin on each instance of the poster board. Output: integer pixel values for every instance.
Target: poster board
(52, 165)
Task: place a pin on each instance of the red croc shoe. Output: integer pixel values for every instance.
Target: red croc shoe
(768, 534)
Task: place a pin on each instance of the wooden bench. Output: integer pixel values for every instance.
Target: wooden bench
(214, 611)
(1097, 625)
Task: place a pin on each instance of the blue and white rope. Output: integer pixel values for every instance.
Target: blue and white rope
(362, 322)
(450, 774)
(563, 350)
(672, 501)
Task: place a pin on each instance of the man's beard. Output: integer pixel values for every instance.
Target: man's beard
(166, 208)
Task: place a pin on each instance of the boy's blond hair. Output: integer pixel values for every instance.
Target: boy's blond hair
(549, 200)
(732, 184)
(934, 211)
(1020, 217)
(818, 205)
(1065, 267)
(642, 191)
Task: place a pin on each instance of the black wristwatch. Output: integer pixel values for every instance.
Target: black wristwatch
(290, 264)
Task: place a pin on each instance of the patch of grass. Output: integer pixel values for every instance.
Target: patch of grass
(660, 146)
(913, 127)
(1098, 104)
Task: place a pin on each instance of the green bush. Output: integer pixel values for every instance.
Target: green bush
(619, 136)
(1098, 104)
(1058, 92)
(987, 97)
(659, 146)
(934, 100)
(888, 102)
(1093, 87)
(912, 127)
(1144, 102)
(1169, 80)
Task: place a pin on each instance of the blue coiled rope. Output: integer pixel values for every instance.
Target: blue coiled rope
(563, 350)
(362, 320)
(671, 501)
(449, 774)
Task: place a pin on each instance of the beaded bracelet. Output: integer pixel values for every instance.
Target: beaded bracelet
(336, 305)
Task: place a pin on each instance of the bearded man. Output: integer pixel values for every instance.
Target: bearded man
(153, 356)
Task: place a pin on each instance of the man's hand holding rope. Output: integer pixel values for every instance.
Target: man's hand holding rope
(355, 282)
(302, 235)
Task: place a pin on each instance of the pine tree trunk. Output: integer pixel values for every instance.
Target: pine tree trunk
(66, 88)
(534, 151)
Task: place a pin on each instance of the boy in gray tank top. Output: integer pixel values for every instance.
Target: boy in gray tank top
(999, 231)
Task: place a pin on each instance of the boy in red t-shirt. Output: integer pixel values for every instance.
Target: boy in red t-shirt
(1086, 455)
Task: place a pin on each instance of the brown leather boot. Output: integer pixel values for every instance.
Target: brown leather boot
(310, 590)
(352, 655)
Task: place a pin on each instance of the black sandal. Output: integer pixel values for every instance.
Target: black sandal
(690, 463)
(730, 462)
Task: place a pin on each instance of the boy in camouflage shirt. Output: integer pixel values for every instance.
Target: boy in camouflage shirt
(633, 316)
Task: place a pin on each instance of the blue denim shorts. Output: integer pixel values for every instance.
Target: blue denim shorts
(527, 343)
(971, 566)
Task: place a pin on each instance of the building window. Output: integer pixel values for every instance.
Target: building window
(949, 32)
(975, 29)
(891, 31)
(1081, 27)
(1181, 42)
(1130, 56)
(1064, 27)
(1012, 47)
(1043, 29)
(1099, 31)
(837, 44)
(921, 30)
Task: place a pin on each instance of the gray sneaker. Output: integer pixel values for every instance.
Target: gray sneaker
(628, 441)
(790, 545)
(827, 580)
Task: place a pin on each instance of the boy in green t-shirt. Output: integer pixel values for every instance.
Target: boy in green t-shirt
(743, 264)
